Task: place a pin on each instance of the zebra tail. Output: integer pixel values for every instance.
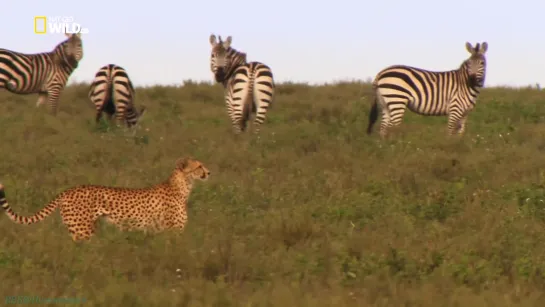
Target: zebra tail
(39, 216)
(247, 110)
(373, 116)
(109, 94)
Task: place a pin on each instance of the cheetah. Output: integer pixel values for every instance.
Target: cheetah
(156, 208)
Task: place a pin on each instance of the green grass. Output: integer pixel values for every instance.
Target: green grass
(313, 213)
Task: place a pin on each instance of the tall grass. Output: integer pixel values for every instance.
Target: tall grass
(312, 213)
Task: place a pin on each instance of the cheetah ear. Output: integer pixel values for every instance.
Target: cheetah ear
(183, 163)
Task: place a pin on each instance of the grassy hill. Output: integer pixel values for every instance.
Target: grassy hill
(314, 213)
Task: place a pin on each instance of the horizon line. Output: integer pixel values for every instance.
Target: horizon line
(367, 81)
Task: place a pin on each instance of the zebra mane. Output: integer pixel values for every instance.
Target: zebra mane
(235, 53)
(242, 55)
(59, 57)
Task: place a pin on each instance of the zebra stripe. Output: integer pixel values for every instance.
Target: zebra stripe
(45, 74)
(452, 93)
(112, 92)
(249, 87)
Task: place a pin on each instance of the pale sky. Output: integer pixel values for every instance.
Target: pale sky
(166, 42)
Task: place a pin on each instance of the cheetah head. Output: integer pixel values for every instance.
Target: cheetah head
(192, 168)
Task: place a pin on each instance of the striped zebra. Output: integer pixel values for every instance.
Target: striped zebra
(44, 74)
(112, 92)
(249, 87)
(452, 93)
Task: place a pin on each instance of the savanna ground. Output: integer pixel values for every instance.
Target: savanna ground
(314, 213)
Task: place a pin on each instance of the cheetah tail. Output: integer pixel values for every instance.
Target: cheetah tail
(41, 215)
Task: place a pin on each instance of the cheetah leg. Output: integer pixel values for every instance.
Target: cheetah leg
(80, 226)
(180, 222)
(81, 233)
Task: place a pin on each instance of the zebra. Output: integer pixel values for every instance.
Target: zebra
(452, 93)
(249, 87)
(112, 92)
(45, 74)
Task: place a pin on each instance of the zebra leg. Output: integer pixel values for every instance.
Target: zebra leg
(53, 99)
(99, 108)
(462, 125)
(237, 125)
(260, 114)
(455, 123)
(42, 97)
(397, 110)
(237, 128)
(385, 122)
(231, 113)
(392, 116)
(236, 100)
(120, 111)
(263, 95)
(243, 122)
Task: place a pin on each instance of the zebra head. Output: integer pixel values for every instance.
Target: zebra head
(476, 64)
(223, 58)
(219, 61)
(70, 52)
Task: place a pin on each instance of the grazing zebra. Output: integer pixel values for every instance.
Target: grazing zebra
(44, 74)
(112, 92)
(249, 87)
(452, 93)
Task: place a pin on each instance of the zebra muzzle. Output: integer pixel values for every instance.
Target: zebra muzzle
(476, 81)
(220, 75)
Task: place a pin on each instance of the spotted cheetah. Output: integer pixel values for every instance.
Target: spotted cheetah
(156, 208)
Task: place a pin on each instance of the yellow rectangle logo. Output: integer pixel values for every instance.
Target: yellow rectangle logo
(38, 20)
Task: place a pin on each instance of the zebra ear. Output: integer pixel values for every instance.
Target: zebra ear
(212, 39)
(470, 48)
(227, 42)
(484, 48)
